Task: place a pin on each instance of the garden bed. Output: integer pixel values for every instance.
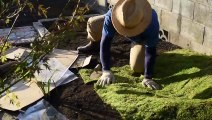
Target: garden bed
(183, 74)
(78, 100)
(185, 78)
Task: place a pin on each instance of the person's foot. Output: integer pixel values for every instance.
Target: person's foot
(137, 74)
(90, 48)
(151, 84)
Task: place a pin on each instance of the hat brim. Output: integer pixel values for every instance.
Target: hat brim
(130, 32)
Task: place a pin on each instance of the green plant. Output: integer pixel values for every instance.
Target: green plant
(186, 93)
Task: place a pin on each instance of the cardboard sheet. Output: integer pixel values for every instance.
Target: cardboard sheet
(17, 53)
(59, 62)
(81, 61)
(66, 57)
(28, 93)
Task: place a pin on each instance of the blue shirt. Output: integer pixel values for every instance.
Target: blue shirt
(149, 37)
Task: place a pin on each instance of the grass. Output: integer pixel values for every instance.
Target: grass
(186, 78)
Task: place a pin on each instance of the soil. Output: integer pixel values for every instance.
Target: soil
(79, 101)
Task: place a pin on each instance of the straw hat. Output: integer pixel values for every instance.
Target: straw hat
(131, 17)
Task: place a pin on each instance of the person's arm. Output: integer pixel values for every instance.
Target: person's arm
(106, 40)
(105, 55)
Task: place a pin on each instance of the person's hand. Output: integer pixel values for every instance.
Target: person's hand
(151, 84)
(106, 78)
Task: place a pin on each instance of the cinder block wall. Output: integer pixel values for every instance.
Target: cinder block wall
(188, 22)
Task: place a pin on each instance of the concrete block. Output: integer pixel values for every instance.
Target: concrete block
(200, 48)
(151, 1)
(208, 37)
(201, 13)
(176, 39)
(184, 42)
(184, 8)
(170, 21)
(158, 11)
(202, 1)
(209, 18)
(165, 4)
(102, 3)
(192, 30)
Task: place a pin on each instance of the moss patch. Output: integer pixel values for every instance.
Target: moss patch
(186, 78)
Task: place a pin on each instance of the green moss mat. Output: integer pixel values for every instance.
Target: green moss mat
(186, 78)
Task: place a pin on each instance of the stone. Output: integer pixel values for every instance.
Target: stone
(165, 4)
(171, 21)
(192, 30)
(184, 8)
(201, 13)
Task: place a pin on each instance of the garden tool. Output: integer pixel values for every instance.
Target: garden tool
(90, 48)
(95, 75)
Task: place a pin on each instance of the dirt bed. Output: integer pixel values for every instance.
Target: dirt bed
(79, 101)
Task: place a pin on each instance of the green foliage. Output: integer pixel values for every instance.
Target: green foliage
(41, 10)
(186, 78)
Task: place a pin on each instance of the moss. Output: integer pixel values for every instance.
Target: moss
(85, 74)
(186, 78)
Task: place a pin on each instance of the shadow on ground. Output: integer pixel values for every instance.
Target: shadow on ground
(80, 101)
(169, 65)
